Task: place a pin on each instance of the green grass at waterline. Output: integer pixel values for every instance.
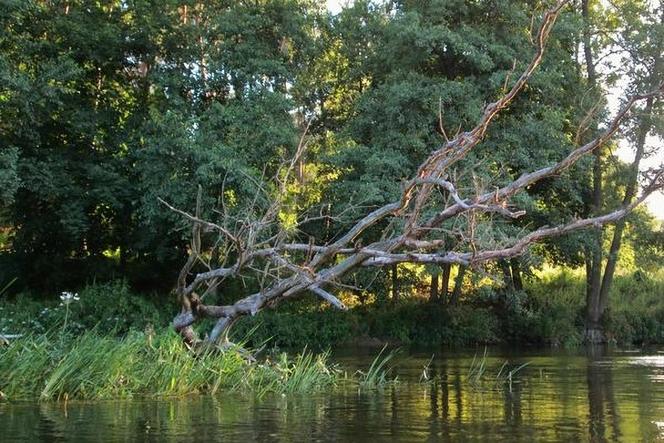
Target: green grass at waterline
(92, 367)
(377, 374)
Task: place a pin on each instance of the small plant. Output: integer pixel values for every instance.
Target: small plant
(477, 373)
(477, 369)
(377, 374)
(508, 376)
(426, 369)
(67, 298)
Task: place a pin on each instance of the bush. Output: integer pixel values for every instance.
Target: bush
(433, 324)
(636, 313)
(108, 307)
(317, 329)
(408, 323)
(113, 307)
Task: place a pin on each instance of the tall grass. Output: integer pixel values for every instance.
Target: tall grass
(377, 374)
(480, 379)
(92, 366)
(477, 369)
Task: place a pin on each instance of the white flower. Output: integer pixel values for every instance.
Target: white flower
(68, 297)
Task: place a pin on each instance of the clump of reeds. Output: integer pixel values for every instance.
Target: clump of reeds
(479, 379)
(92, 366)
(378, 373)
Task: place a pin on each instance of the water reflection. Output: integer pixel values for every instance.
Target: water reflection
(601, 401)
(581, 396)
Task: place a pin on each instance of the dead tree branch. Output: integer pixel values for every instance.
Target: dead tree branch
(291, 268)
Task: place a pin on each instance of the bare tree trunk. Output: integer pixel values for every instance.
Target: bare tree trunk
(445, 284)
(289, 268)
(395, 283)
(433, 292)
(594, 333)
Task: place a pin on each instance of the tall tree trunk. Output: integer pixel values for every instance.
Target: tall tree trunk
(516, 274)
(632, 181)
(445, 283)
(433, 292)
(600, 285)
(594, 331)
(630, 193)
(458, 283)
(395, 283)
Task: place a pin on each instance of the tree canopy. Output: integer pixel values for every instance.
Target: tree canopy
(110, 110)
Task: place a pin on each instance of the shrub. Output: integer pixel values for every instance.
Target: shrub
(108, 307)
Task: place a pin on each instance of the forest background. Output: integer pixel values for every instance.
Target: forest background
(108, 106)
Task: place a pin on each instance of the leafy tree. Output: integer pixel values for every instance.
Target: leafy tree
(416, 72)
(64, 104)
(107, 105)
(638, 37)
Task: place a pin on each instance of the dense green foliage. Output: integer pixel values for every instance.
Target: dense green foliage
(107, 106)
(548, 312)
(110, 309)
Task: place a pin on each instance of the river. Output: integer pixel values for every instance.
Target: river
(580, 395)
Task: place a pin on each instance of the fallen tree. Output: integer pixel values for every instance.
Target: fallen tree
(412, 231)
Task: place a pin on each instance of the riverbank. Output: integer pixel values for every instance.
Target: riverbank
(550, 311)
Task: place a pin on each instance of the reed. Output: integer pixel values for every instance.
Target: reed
(479, 378)
(93, 366)
(378, 373)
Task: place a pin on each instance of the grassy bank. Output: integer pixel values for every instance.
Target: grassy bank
(635, 314)
(549, 311)
(101, 343)
(91, 366)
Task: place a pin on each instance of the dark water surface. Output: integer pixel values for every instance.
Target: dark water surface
(560, 396)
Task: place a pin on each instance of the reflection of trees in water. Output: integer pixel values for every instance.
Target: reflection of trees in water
(458, 394)
(445, 402)
(454, 404)
(603, 423)
(439, 411)
(574, 399)
(53, 421)
(512, 403)
(445, 393)
(439, 425)
(394, 406)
